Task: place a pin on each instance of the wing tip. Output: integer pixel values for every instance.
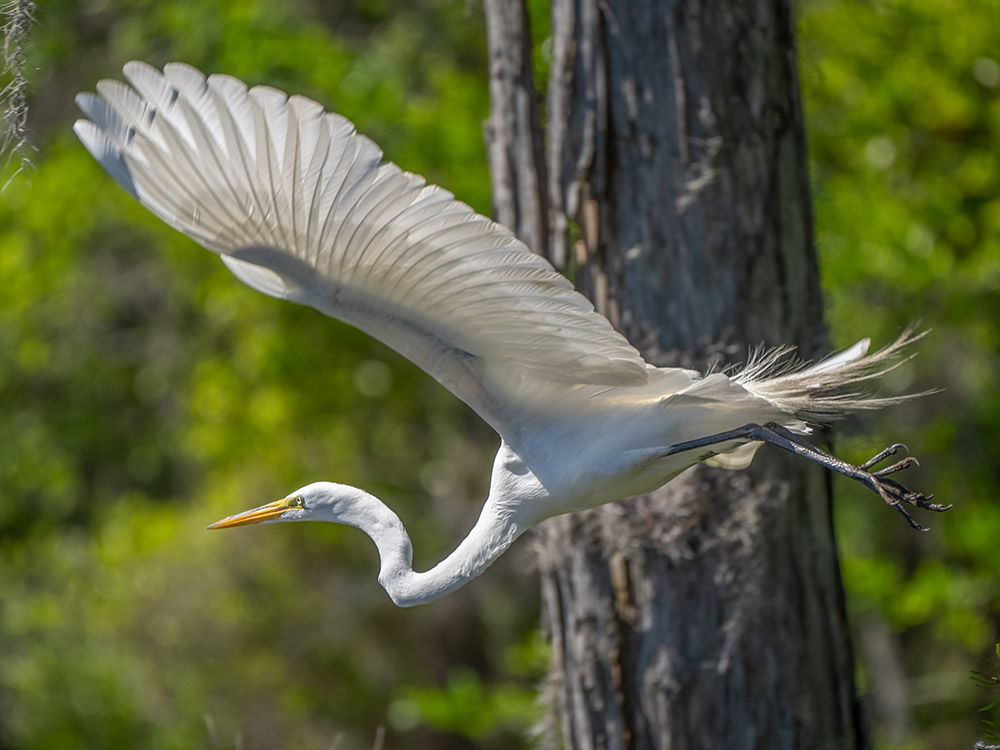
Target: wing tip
(139, 68)
(106, 152)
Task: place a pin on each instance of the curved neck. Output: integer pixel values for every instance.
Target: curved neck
(493, 533)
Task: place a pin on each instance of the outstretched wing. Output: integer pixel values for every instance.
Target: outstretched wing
(303, 208)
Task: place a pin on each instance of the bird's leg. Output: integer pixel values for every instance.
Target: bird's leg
(890, 491)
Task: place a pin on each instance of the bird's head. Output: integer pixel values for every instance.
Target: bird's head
(317, 501)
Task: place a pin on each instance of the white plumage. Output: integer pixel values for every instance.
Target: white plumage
(301, 207)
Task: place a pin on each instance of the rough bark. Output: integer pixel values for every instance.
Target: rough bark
(513, 137)
(709, 614)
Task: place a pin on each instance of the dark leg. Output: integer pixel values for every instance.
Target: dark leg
(890, 491)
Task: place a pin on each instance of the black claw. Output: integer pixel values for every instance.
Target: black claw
(891, 491)
(909, 519)
(898, 466)
(936, 507)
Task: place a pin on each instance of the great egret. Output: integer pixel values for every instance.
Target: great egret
(300, 207)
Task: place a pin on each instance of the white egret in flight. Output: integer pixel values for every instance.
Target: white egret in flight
(301, 207)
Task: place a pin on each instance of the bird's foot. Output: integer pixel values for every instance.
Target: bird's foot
(891, 491)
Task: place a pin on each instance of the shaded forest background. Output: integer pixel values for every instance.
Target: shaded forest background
(144, 393)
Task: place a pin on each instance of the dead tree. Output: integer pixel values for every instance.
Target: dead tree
(673, 187)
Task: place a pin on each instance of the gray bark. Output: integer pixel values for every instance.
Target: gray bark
(513, 138)
(709, 614)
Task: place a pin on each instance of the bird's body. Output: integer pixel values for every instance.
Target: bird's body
(302, 208)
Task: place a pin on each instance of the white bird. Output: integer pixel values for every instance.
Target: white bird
(301, 207)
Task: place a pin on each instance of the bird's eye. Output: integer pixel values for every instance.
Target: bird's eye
(297, 502)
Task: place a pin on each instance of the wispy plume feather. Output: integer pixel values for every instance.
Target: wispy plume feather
(823, 391)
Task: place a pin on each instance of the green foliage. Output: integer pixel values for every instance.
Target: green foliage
(903, 116)
(466, 706)
(992, 709)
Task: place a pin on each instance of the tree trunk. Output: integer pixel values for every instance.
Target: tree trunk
(709, 614)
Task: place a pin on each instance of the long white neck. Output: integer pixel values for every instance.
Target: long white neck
(494, 532)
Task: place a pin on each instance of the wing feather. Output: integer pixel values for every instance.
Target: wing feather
(302, 207)
(231, 99)
(108, 152)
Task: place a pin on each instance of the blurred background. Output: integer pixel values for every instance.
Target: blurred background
(144, 393)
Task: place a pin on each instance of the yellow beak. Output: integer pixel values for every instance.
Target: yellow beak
(268, 512)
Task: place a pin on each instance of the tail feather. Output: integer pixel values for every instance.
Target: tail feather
(816, 393)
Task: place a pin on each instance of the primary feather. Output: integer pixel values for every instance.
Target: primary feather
(303, 208)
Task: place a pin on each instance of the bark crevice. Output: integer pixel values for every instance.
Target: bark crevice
(709, 614)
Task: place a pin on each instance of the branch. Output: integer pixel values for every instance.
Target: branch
(513, 133)
(20, 16)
